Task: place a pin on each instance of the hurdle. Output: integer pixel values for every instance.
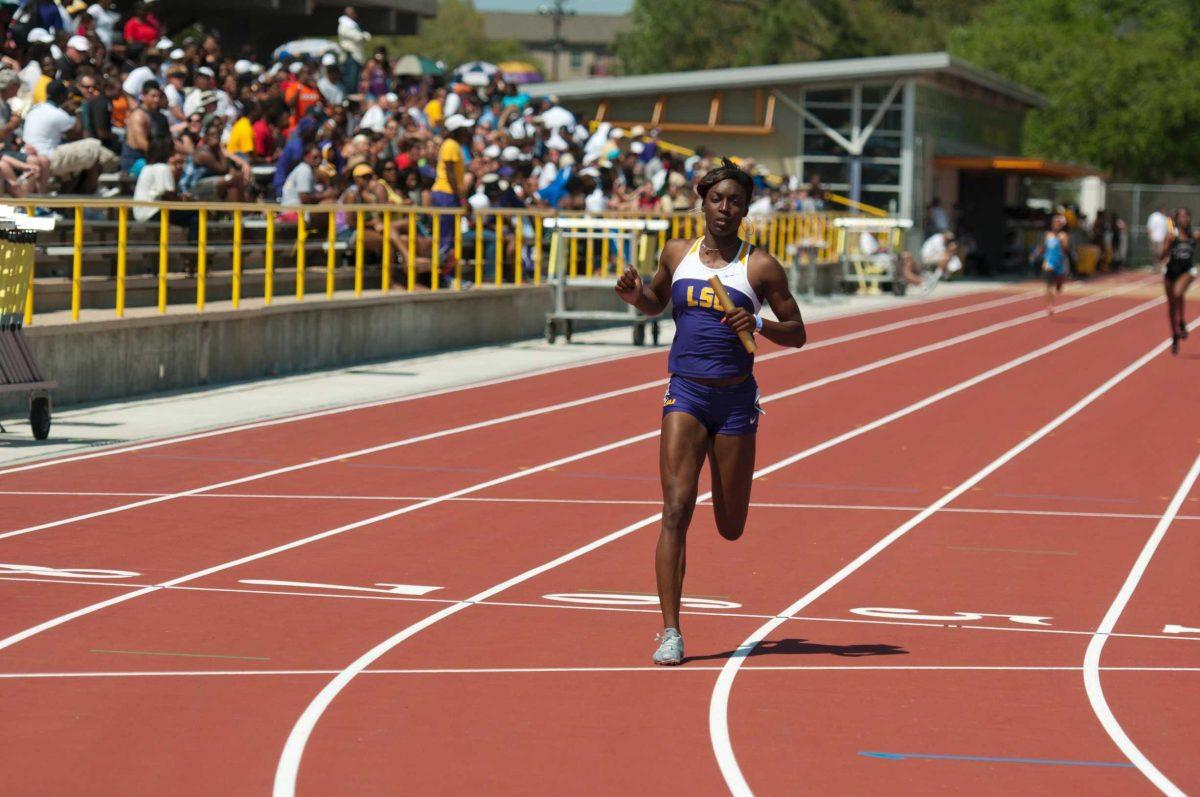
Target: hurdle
(19, 371)
(632, 246)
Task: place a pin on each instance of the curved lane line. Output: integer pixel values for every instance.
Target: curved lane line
(718, 719)
(1091, 659)
(289, 762)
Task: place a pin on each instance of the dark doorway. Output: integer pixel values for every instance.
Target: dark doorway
(981, 220)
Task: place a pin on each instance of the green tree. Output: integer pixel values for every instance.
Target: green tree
(1117, 77)
(455, 35)
(669, 35)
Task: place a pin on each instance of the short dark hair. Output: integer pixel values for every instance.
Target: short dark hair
(149, 86)
(56, 92)
(728, 170)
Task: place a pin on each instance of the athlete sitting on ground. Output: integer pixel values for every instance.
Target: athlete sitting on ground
(711, 405)
(940, 251)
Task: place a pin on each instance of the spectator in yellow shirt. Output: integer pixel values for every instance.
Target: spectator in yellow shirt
(449, 187)
(433, 109)
(39, 87)
(241, 135)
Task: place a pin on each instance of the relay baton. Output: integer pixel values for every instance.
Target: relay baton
(727, 305)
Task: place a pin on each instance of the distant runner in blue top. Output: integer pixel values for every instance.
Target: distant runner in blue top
(1055, 263)
(711, 405)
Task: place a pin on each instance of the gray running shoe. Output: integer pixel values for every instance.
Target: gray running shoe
(670, 647)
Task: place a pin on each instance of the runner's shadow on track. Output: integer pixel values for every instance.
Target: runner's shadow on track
(789, 647)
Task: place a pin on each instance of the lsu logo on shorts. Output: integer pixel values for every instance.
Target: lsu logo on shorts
(668, 399)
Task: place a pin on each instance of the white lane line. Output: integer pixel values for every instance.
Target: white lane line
(526, 414)
(536, 670)
(597, 502)
(108, 452)
(610, 502)
(1091, 659)
(1173, 637)
(289, 761)
(414, 590)
(843, 375)
(718, 720)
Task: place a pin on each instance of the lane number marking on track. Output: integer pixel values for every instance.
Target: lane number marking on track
(637, 599)
(391, 589)
(959, 617)
(62, 572)
(1179, 629)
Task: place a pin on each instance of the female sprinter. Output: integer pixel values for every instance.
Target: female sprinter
(1054, 254)
(711, 405)
(1178, 261)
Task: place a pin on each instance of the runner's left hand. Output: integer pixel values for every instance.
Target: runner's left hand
(739, 320)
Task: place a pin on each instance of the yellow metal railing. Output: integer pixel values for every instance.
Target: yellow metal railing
(439, 248)
(854, 204)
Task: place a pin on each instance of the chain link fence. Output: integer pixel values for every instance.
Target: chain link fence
(1134, 202)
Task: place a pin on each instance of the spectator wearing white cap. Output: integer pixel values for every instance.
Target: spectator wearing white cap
(107, 16)
(75, 56)
(39, 36)
(206, 82)
(175, 90)
(330, 82)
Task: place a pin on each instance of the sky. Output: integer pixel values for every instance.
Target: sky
(582, 6)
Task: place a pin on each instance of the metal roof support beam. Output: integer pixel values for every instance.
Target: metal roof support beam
(865, 134)
(816, 121)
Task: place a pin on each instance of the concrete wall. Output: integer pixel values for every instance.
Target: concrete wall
(104, 360)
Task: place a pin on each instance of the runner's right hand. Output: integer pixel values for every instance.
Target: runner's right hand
(629, 285)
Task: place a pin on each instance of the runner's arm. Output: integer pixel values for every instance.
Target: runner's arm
(651, 299)
(789, 329)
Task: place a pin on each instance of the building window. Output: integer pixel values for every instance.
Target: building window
(576, 59)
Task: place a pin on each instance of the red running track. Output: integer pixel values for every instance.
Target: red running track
(218, 614)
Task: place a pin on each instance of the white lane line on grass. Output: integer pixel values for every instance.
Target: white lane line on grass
(1091, 659)
(289, 761)
(108, 452)
(718, 720)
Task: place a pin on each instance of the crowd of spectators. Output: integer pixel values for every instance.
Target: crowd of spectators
(89, 89)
